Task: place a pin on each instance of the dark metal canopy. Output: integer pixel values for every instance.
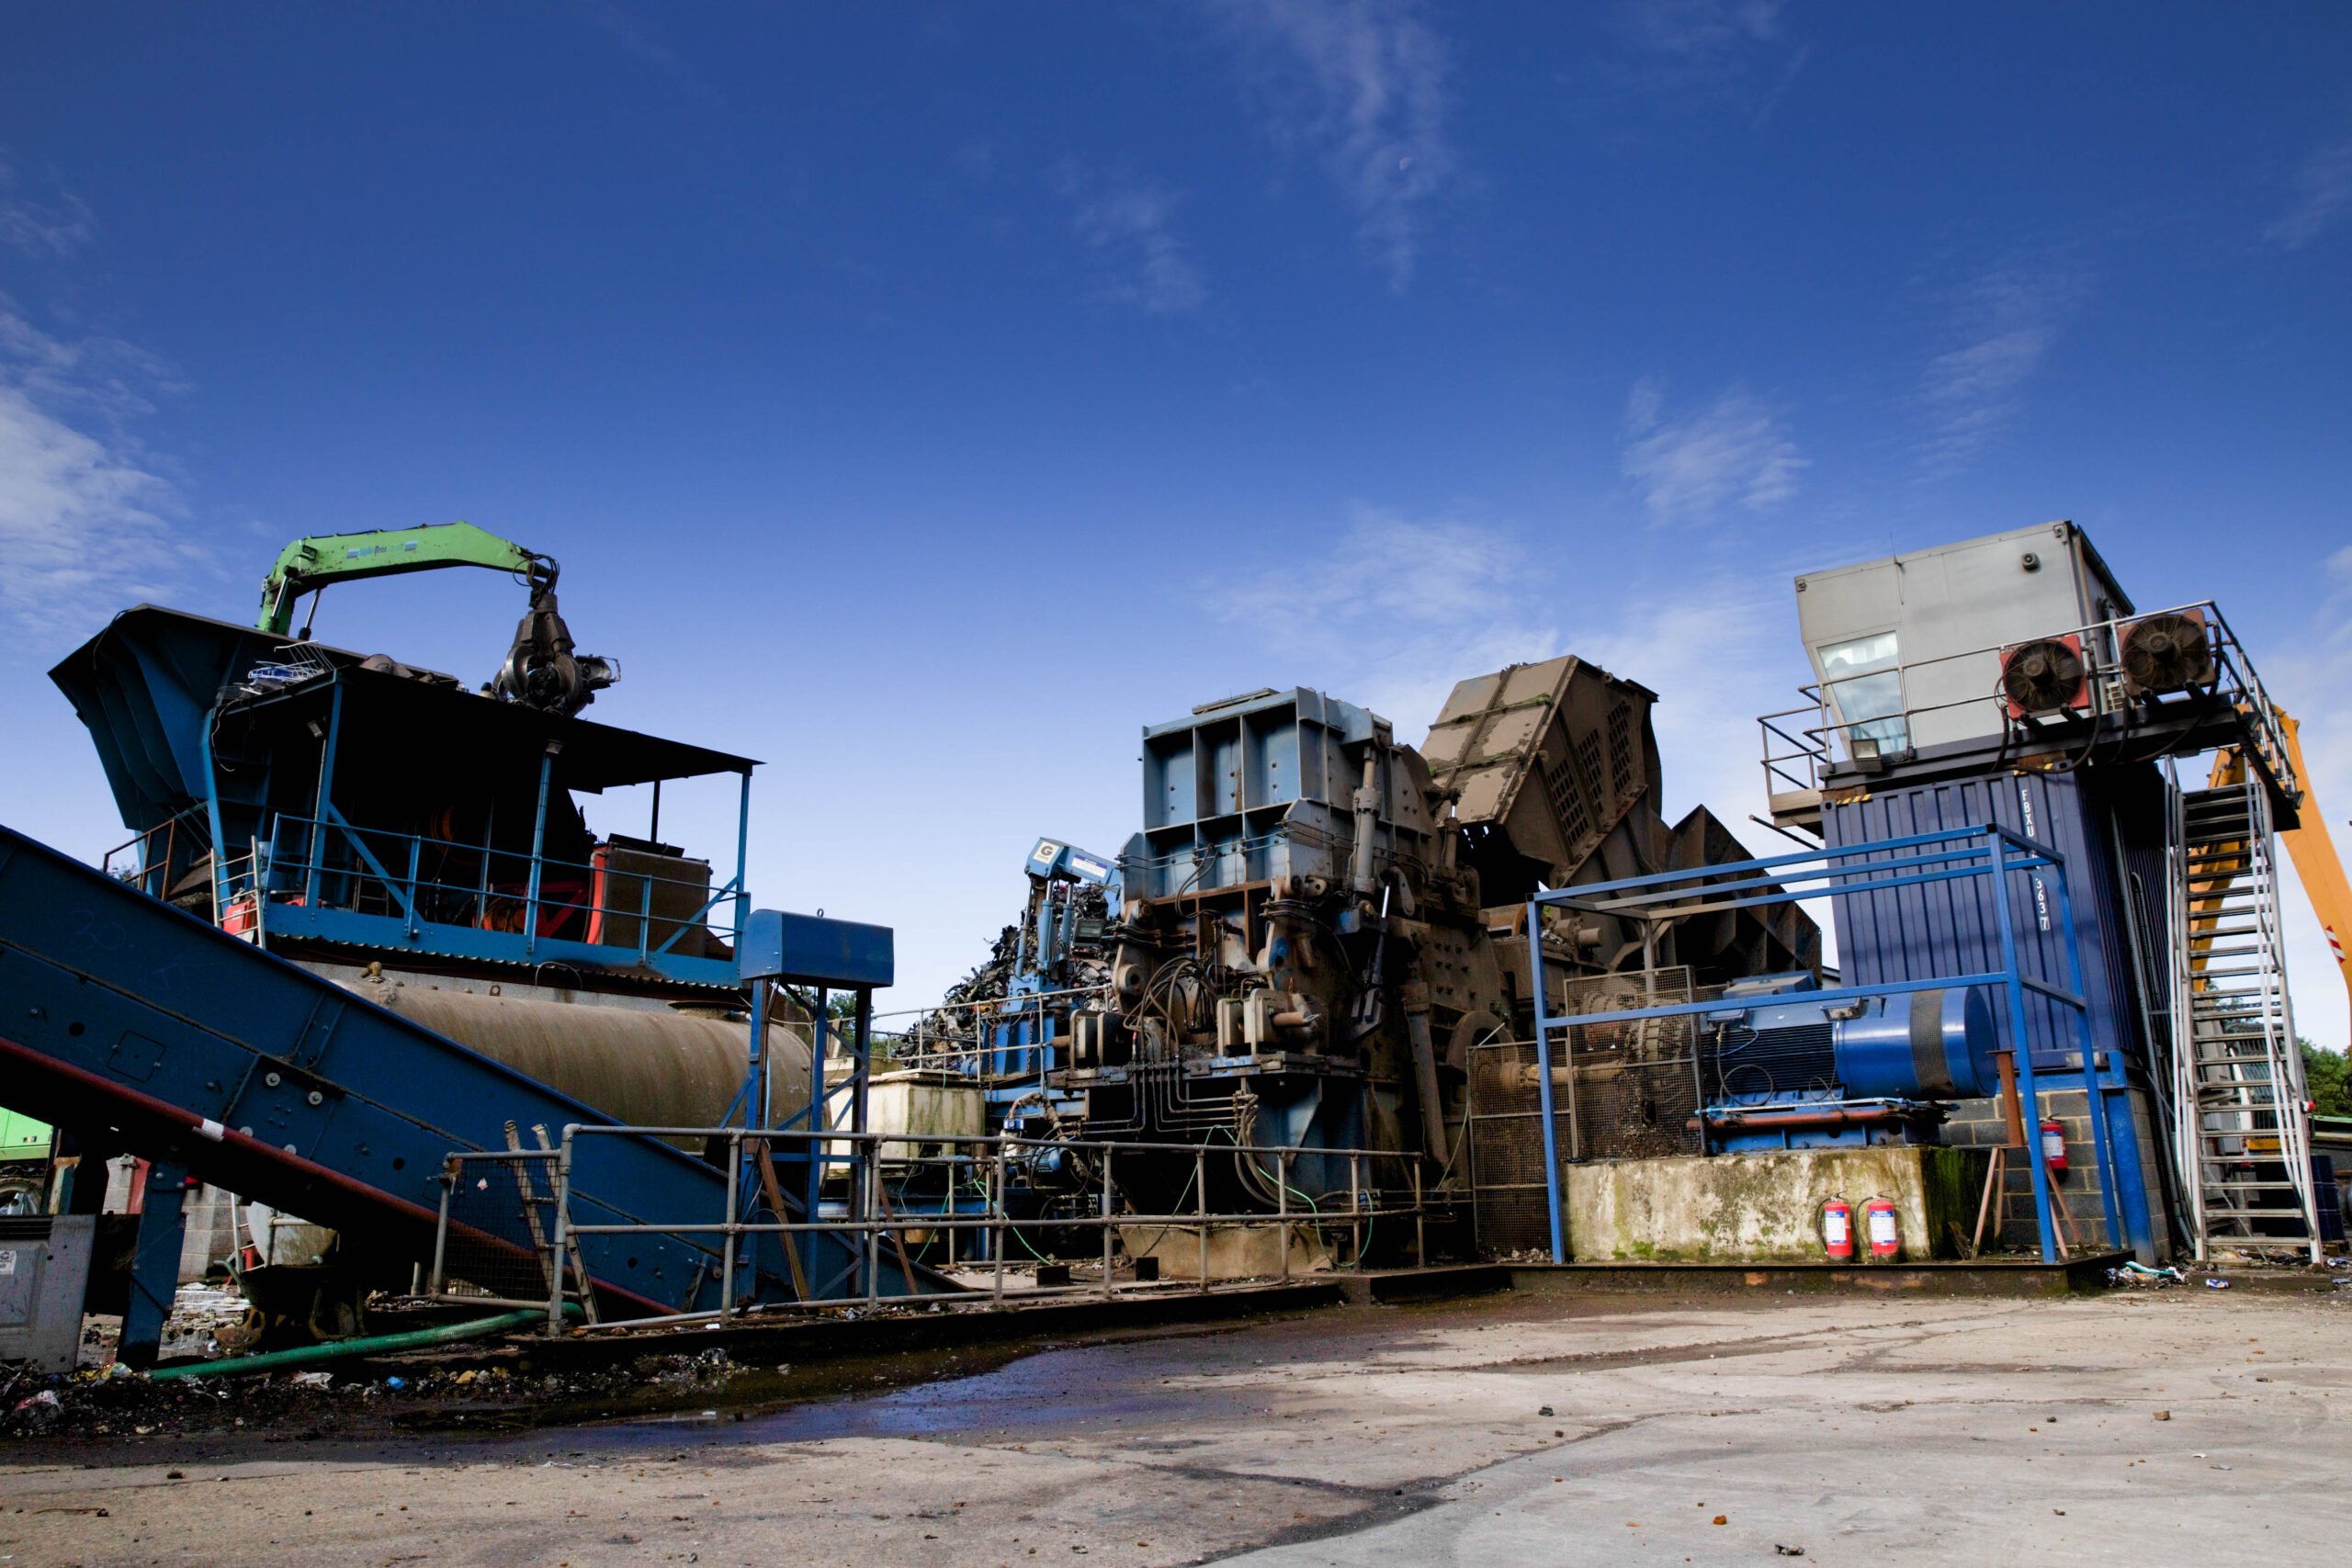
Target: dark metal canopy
(423, 723)
(148, 684)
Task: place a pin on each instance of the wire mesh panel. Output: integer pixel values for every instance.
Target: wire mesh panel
(1634, 1085)
(1510, 1210)
(1627, 1090)
(497, 1235)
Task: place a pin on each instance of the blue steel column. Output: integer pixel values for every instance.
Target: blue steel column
(2020, 1039)
(314, 843)
(538, 846)
(1543, 1080)
(212, 815)
(818, 1119)
(747, 1187)
(2129, 1225)
(742, 855)
(154, 1266)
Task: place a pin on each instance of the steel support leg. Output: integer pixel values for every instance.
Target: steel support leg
(156, 1265)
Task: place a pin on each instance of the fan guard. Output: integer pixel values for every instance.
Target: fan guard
(2169, 652)
(2045, 675)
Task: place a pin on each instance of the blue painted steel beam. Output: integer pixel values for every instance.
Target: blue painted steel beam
(1830, 852)
(1697, 900)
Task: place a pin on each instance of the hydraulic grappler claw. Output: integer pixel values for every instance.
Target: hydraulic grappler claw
(541, 669)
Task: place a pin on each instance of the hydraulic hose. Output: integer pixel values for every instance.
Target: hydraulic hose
(343, 1350)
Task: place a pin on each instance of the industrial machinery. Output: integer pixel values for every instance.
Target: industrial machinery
(2009, 681)
(1316, 925)
(1007, 1024)
(1785, 1072)
(411, 867)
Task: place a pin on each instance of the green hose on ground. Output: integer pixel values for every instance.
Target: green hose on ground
(343, 1350)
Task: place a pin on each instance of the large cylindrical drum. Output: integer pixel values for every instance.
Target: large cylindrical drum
(636, 1066)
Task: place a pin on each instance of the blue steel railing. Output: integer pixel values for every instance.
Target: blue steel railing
(1992, 852)
(331, 878)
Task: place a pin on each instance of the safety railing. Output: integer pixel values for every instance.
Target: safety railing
(1847, 721)
(619, 902)
(921, 1216)
(152, 859)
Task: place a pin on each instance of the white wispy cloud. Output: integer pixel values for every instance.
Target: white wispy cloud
(1704, 31)
(86, 523)
(1734, 451)
(2000, 328)
(1359, 85)
(1397, 609)
(1687, 54)
(55, 226)
(2323, 199)
(1129, 225)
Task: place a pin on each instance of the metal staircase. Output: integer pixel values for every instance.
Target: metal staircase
(2242, 1142)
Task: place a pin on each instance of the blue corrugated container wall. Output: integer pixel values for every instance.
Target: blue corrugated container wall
(2108, 825)
(1951, 928)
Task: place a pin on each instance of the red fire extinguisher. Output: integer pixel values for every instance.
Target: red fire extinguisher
(1878, 1224)
(1837, 1230)
(2053, 1145)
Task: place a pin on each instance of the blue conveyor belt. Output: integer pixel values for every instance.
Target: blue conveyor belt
(186, 1045)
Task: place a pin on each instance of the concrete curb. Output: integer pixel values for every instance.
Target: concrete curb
(1935, 1278)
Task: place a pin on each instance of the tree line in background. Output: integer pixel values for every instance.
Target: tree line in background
(2323, 1075)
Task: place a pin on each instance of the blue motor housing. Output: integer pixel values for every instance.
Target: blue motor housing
(1934, 1045)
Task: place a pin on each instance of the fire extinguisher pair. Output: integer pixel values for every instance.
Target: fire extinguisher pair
(1878, 1227)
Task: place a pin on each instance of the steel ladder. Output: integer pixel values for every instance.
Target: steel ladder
(2242, 1141)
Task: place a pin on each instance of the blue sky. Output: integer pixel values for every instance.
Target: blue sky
(924, 399)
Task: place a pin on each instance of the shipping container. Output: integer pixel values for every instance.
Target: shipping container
(2100, 824)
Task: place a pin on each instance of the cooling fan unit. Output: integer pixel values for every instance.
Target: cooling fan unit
(2170, 653)
(2047, 675)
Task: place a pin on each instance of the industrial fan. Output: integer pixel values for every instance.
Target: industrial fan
(2044, 676)
(2169, 652)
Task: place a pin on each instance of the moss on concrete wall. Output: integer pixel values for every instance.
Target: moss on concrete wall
(1765, 1207)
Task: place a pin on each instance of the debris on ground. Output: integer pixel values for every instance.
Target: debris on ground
(2134, 1273)
(118, 1402)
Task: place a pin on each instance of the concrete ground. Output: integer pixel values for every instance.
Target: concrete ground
(2189, 1425)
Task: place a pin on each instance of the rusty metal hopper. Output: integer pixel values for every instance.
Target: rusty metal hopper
(1546, 760)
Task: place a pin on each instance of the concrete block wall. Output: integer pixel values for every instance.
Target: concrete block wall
(1977, 1123)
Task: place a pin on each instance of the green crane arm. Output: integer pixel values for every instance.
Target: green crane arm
(314, 562)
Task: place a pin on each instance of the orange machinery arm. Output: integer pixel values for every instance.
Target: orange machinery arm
(2316, 865)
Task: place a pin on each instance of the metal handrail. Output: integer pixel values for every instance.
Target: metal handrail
(1813, 750)
(977, 1165)
(301, 869)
